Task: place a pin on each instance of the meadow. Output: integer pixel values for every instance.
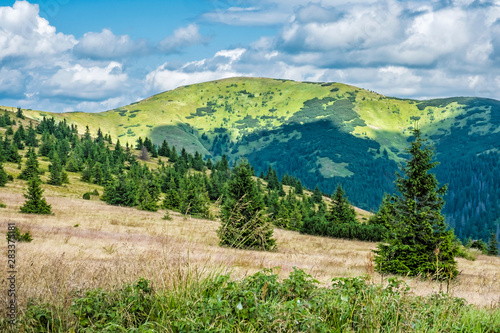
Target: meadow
(86, 245)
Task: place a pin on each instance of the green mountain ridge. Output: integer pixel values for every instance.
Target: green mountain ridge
(325, 133)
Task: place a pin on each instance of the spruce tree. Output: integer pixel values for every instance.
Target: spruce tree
(3, 176)
(317, 196)
(385, 213)
(35, 202)
(19, 113)
(31, 139)
(31, 167)
(121, 192)
(298, 188)
(418, 242)
(146, 202)
(172, 199)
(18, 140)
(194, 196)
(492, 248)
(341, 211)
(242, 222)
(57, 174)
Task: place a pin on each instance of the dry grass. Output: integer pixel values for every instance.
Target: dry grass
(113, 245)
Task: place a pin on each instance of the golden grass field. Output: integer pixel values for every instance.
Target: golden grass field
(89, 244)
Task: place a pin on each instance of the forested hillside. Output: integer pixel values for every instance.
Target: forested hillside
(324, 134)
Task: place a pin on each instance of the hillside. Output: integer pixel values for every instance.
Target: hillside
(325, 133)
(87, 244)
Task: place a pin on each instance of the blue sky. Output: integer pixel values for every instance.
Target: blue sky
(66, 55)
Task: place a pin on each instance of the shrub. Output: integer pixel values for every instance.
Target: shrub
(16, 235)
(86, 195)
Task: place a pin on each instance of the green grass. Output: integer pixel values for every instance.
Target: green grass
(258, 303)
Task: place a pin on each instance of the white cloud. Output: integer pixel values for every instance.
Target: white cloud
(181, 38)
(246, 16)
(104, 105)
(11, 82)
(23, 33)
(107, 45)
(218, 67)
(90, 83)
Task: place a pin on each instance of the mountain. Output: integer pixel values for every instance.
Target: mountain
(325, 133)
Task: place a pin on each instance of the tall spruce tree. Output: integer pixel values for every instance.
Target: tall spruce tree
(341, 211)
(4, 178)
(242, 222)
(418, 241)
(35, 202)
(492, 248)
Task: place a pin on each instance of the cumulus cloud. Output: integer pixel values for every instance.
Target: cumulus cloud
(106, 45)
(11, 82)
(181, 38)
(23, 33)
(218, 67)
(388, 33)
(246, 16)
(90, 83)
(410, 49)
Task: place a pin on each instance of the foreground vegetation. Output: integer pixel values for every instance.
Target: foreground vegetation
(259, 303)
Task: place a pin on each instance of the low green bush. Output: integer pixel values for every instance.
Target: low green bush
(261, 303)
(17, 236)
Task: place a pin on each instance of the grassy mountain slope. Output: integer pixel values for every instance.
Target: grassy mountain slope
(325, 133)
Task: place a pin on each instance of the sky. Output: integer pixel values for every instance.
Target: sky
(96, 55)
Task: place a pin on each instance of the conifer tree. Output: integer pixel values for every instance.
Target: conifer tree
(492, 248)
(18, 140)
(242, 222)
(146, 202)
(31, 140)
(57, 174)
(3, 176)
(164, 149)
(31, 168)
(19, 113)
(272, 179)
(341, 211)
(3, 151)
(121, 192)
(86, 173)
(418, 241)
(317, 196)
(11, 151)
(35, 202)
(194, 197)
(172, 199)
(298, 188)
(385, 213)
